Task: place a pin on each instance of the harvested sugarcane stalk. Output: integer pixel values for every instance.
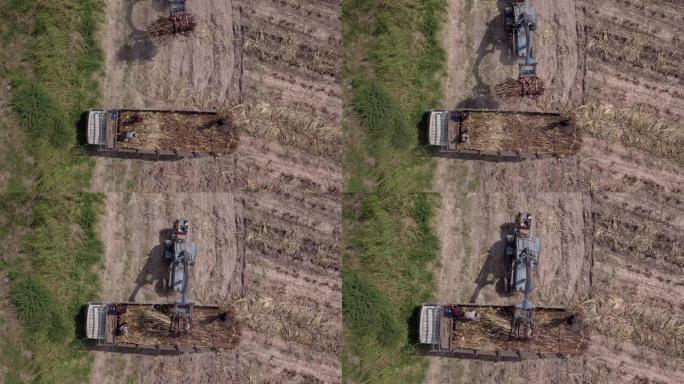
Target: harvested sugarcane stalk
(180, 131)
(151, 325)
(522, 87)
(169, 25)
(492, 331)
(521, 132)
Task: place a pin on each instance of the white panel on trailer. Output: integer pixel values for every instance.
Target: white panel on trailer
(97, 126)
(95, 321)
(428, 331)
(439, 128)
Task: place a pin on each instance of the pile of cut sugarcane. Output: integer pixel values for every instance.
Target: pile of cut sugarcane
(521, 132)
(521, 87)
(162, 130)
(169, 25)
(492, 331)
(151, 325)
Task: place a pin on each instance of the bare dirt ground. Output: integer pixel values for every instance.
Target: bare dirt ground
(632, 62)
(610, 218)
(266, 218)
(256, 165)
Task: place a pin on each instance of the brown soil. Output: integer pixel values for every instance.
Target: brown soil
(631, 62)
(265, 217)
(609, 217)
(255, 165)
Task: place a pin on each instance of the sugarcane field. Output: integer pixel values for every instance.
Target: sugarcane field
(263, 209)
(608, 210)
(341, 191)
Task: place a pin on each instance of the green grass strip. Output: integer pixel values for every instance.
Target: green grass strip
(47, 206)
(394, 61)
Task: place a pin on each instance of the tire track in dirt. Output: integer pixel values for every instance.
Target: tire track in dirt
(592, 209)
(292, 54)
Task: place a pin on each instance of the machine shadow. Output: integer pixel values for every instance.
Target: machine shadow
(496, 269)
(496, 38)
(155, 270)
(139, 45)
(80, 325)
(412, 324)
(422, 127)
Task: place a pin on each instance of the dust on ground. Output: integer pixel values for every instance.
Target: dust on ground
(609, 218)
(266, 217)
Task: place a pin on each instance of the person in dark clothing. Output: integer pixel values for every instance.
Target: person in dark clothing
(461, 116)
(122, 329)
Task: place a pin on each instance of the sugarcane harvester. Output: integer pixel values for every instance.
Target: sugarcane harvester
(179, 327)
(521, 23)
(180, 254)
(504, 332)
(523, 250)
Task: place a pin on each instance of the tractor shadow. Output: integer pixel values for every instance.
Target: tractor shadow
(496, 269)
(496, 38)
(156, 269)
(139, 46)
(160, 5)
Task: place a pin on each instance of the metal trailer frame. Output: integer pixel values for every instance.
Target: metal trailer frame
(433, 347)
(101, 137)
(442, 149)
(101, 344)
